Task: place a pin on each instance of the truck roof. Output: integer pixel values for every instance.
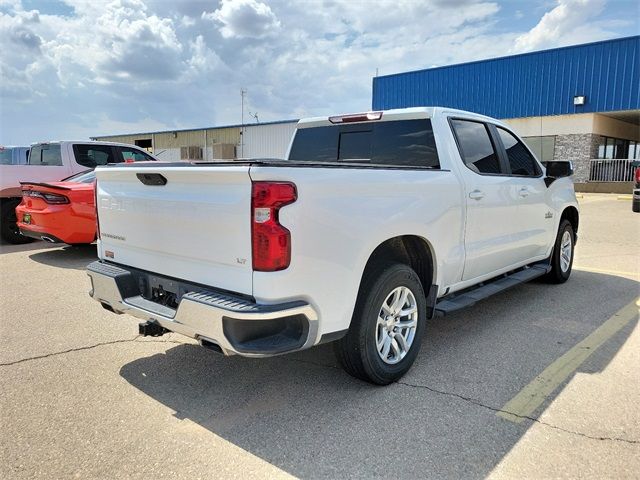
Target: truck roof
(412, 113)
(97, 142)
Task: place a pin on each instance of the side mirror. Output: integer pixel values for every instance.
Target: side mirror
(557, 170)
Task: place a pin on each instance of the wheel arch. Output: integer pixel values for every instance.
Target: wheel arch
(571, 213)
(412, 250)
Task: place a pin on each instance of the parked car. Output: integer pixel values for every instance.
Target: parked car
(635, 203)
(376, 222)
(14, 155)
(59, 212)
(51, 162)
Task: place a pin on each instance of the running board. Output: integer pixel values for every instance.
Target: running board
(467, 298)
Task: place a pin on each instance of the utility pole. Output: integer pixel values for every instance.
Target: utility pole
(243, 92)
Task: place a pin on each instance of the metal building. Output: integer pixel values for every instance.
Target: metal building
(580, 103)
(270, 139)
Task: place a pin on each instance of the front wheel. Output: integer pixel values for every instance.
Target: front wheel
(562, 256)
(386, 329)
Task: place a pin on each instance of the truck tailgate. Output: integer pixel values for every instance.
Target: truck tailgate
(196, 226)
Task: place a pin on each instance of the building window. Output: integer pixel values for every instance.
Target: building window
(191, 153)
(145, 143)
(617, 148)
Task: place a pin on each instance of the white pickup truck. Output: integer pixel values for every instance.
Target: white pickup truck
(373, 224)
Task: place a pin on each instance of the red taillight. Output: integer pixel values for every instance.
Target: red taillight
(638, 175)
(51, 198)
(271, 242)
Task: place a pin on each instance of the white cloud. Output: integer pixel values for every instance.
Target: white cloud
(131, 65)
(566, 23)
(120, 41)
(244, 19)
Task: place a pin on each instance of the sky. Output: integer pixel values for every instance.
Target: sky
(71, 69)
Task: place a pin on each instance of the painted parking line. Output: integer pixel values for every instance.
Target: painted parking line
(533, 395)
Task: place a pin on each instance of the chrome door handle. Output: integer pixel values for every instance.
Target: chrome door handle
(476, 195)
(524, 192)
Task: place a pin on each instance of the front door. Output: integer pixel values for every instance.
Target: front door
(492, 223)
(536, 222)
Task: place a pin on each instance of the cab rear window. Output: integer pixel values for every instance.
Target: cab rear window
(46, 155)
(408, 143)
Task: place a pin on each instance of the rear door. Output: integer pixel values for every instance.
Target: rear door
(191, 222)
(492, 220)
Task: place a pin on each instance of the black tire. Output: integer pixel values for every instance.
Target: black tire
(557, 274)
(357, 351)
(9, 229)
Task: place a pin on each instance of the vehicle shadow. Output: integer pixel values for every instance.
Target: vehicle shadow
(69, 256)
(303, 414)
(6, 247)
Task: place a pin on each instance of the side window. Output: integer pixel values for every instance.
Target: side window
(521, 161)
(476, 147)
(91, 156)
(134, 155)
(6, 156)
(46, 155)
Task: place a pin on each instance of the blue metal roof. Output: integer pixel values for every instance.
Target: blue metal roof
(526, 85)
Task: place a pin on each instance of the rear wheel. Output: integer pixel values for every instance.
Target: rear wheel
(9, 228)
(562, 256)
(386, 329)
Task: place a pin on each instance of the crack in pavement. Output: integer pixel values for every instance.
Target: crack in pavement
(87, 347)
(471, 400)
(526, 417)
(488, 407)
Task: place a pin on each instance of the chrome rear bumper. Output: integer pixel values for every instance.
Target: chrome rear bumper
(234, 323)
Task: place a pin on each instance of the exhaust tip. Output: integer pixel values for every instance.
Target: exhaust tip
(210, 345)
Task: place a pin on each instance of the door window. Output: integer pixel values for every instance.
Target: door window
(134, 155)
(91, 156)
(476, 148)
(521, 161)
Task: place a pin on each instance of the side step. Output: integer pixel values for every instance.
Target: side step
(466, 298)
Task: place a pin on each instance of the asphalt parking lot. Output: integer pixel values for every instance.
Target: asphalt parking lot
(541, 381)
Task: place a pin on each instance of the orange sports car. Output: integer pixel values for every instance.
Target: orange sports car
(59, 212)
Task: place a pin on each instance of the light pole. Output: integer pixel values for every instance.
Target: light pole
(243, 92)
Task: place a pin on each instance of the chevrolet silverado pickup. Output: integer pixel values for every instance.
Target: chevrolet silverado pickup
(373, 224)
